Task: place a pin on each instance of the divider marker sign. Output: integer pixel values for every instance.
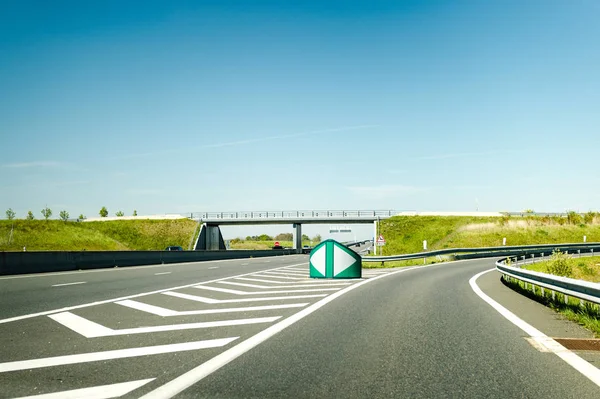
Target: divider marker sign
(331, 259)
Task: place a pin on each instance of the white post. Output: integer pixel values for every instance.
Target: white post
(504, 241)
(375, 236)
(584, 238)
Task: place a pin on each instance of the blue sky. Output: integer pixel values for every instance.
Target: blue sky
(172, 106)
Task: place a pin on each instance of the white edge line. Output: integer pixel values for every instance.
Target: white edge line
(161, 273)
(64, 284)
(188, 379)
(97, 392)
(85, 305)
(579, 364)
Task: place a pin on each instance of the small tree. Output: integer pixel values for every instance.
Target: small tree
(81, 217)
(30, 215)
(103, 212)
(119, 213)
(317, 238)
(64, 215)
(10, 214)
(305, 237)
(134, 212)
(265, 237)
(46, 213)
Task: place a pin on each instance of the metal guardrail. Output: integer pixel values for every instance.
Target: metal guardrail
(300, 214)
(580, 289)
(485, 252)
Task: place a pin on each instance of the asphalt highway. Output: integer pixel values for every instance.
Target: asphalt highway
(260, 328)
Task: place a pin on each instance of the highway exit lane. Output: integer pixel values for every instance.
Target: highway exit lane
(423, 333)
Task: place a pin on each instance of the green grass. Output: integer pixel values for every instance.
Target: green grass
(584, 268)
(403, 263)
(55, 235)
(405, 234)
(587, 316)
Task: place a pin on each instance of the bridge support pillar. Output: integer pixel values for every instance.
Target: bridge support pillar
(297, 238)
(210, 238)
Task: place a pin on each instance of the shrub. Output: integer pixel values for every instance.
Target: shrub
(30, 215)
(119, 213)
(560, 264)
(103, 212)
(574, 218)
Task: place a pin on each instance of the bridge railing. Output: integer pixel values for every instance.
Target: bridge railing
(299, 214)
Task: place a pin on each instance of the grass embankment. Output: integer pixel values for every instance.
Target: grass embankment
(405, 234)
(55, 235)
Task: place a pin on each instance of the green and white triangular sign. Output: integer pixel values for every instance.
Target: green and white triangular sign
(331, 259)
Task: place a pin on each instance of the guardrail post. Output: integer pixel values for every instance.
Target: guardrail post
(566, 299)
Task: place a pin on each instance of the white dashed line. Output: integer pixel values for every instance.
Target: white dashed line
(65, 284)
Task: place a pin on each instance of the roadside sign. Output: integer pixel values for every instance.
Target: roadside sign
(276, 243)
(380, 241)
(330, 259)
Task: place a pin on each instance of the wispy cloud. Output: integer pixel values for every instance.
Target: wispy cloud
(459, 155)
(254, 140)
(34, 164)
(384, 191)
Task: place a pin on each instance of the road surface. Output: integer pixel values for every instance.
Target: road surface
(261, 328)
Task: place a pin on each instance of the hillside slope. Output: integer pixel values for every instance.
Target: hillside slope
(55, 235)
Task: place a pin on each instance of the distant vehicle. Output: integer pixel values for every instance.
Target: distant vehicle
(307, 249)
(174, 248)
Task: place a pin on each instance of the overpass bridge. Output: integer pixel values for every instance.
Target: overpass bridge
(210, 237)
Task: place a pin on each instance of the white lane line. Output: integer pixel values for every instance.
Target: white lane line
(211, 300)
(292, 272)
(90, 329)
(304, 275)
(270, 281)
(579, 364)
(270, 275)
(114, 354)
(98, 392)
(188, 379)
(269, 287)
(244, 264)
(85, 305)
(216, 267)
(64, 284)
(168, 312)
(160, 274)
(237, 292)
